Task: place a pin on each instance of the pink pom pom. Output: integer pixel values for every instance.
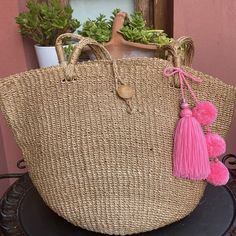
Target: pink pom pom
(215, 145)
(219, 173)
(205, 113)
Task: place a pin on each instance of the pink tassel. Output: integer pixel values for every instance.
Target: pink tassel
(219, 173)
(190, 150)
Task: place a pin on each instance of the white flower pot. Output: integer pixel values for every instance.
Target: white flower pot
(47, 56)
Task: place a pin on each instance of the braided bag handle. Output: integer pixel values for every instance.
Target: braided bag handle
(99, 50)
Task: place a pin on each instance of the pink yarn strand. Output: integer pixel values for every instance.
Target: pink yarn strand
(190, 89)
(183, 76)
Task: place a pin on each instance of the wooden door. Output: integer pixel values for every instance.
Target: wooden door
(157, 13)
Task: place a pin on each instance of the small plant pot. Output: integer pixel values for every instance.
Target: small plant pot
(47, 56)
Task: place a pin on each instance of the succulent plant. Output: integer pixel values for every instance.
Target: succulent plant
(44, 22)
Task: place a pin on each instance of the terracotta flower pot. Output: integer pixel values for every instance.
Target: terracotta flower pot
(120, 48)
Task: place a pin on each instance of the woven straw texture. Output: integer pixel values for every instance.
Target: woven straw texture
(94, 163)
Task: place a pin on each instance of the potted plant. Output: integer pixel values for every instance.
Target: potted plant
(43, 23)
(125, 36)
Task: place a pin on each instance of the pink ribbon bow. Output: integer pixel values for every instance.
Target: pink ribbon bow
(183, 79)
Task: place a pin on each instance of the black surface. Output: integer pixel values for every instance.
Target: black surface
(212, 217)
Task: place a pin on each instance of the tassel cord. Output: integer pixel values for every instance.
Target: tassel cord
(183, 79)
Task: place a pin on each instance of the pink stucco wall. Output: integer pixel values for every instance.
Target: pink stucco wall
(211, 24)
(16, 55)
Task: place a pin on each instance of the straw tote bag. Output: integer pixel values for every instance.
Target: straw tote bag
(102, 162)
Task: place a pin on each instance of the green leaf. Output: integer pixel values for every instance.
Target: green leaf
(44, 22)
(134, 29)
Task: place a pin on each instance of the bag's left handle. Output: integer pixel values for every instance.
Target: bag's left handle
(59, 46)
(98, 49)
